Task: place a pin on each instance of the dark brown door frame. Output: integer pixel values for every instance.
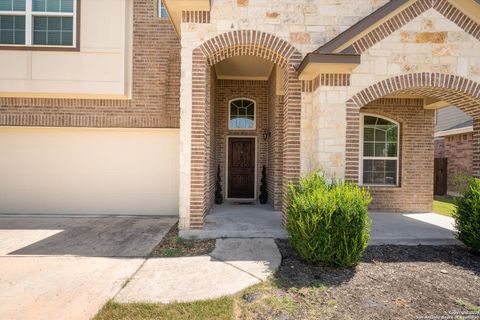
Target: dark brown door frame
(227, 165)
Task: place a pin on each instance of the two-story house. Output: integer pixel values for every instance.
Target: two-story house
(128, 107)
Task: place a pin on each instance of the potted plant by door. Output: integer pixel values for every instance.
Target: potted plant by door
(218, 188)
(263, 187)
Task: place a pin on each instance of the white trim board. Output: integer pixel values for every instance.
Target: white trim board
(254, 114)
(361, 157)
(452, 132)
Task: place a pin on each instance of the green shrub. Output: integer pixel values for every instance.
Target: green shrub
(328, 222)
(467, 214)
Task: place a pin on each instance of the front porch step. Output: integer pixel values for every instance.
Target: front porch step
(243, 234)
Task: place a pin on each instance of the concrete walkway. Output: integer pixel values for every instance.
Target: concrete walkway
(412, 229)
(231, 220)
(61, 267)
(234, 265)
(262, 221)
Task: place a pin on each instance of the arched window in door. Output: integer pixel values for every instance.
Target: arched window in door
(241, 114)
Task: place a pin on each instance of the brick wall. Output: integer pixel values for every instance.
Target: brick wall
(155, 87)
(227, 90)
(275, 144)
(459, 151)
(415, 192)
(212, 140)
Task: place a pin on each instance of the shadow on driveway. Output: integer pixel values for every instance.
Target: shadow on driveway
(132, 236)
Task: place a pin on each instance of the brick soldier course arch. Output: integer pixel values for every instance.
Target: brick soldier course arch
(223, 46)
(459, 91)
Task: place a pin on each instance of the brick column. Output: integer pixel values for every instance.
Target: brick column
(291, 131)
(199, 165)
(352, 142)
(229, 44)
(476, 146)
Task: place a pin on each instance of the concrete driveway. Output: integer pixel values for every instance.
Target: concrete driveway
(67, 267)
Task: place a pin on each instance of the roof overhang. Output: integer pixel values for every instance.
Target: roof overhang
(175, 8)
(469, 7)
(452, 132)
(316, 63)
(362, 27)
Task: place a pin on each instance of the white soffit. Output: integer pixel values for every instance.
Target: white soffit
(244, 68)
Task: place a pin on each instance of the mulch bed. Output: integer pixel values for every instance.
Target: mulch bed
(174, 246)
(391, 282)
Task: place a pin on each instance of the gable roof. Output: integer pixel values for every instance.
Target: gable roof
(361, 26)
(394, 15)
(389, 18)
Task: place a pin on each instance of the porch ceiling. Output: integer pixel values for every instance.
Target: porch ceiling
(244, 68)
(429, 102)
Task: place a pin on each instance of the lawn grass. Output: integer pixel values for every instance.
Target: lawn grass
(172, 245)
(443, 206)
(221, 309)
(268, 301)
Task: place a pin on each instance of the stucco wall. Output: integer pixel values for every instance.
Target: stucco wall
(89, 171)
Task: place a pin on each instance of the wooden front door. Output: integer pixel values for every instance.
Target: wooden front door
(241, 168)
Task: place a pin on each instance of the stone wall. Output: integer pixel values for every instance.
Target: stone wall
(304, 24)
(428, 43)
(155, 101)
(420, 43)
(323, 130)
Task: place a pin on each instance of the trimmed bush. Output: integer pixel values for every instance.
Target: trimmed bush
(467, 214)
(328, 222)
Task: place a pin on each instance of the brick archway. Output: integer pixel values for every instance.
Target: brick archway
(459, 91)
(223, 46)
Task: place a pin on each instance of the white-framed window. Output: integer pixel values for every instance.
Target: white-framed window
(241, 114)
(162, 10)
(38, 23)
(380, 147)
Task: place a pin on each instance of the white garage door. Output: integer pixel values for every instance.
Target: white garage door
(89, 171)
